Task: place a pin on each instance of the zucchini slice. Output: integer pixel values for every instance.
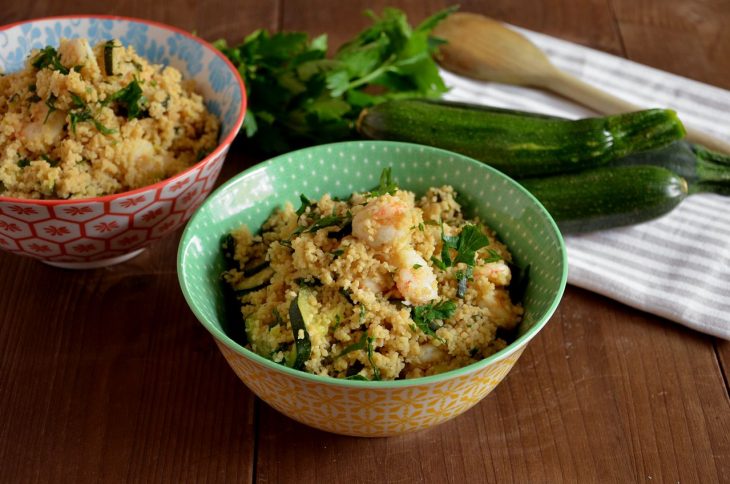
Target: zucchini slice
(256, 281)
(301, 314)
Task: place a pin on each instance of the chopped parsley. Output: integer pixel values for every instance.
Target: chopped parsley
(470, 240)
(306, 203)
(51, 103)
(22, 163)
(50, 160)
(130, 99)
(361, 344)
(386, 184)
(48, 58)
(338, 252)
(81, 112)
(376, 370)
(426, 317)
(417, 266)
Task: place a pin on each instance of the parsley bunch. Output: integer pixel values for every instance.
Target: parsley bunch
(298, 96)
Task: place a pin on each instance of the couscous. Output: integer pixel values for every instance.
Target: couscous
(83, 121)
(383, 285)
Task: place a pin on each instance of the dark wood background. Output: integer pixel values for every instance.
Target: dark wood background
(105, 375)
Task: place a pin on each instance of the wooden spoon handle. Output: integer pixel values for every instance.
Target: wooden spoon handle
(605, 103)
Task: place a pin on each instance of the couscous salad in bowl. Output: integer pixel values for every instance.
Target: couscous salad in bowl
(366, 301)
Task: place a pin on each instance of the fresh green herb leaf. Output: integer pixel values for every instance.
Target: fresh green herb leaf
(361, 344)
(50, 160)
(431, 222)
(298, 96)
(131, 99)
(376, 370)
(338, 321)
(417, 266)
(426, 317)
(438, 263)
(338, 252)
(471, 239)
(22, 163)
(51, 104)
(494, 256)
(329, 221)
(421, 227)
(306, 203)
(48, 58)
(386, 184)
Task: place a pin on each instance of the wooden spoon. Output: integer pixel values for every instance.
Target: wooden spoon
(482, 48)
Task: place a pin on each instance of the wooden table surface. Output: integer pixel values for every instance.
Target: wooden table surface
(105, 375)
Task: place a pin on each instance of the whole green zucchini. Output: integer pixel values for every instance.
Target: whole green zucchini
(607, 197)
(520, 145)
(705, 170)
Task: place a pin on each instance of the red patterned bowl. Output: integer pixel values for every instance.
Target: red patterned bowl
(95, 232)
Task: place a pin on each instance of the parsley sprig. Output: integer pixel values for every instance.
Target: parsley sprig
(48, 58)
(386, 184)
(427, 317)
(463, 248)
(298, 96)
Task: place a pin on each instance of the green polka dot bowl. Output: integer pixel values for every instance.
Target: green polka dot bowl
(370, 408)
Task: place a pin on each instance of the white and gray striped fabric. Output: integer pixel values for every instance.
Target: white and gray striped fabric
(678, 266)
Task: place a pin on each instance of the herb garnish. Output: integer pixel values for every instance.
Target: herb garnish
(426, 316)
(376, 370)
(306, 203)
(466, 245)
(50, 160)
(471, 239)
(130, 98)
(298, 96)
(361, 344)
(48, 57)
(386, 184)
(81, 112)
(51, 104)
(22, 163)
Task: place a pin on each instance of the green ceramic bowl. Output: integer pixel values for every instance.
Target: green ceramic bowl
(362, 407)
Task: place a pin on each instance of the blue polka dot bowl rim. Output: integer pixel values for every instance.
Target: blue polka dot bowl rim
(339, 169)
(100, 231)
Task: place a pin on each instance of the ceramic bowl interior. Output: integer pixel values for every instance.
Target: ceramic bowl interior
(84, 233)
(341, 168)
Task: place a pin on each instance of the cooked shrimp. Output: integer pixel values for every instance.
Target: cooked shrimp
(498, 273)
(414, 278)
(386, 223)
(383, 221)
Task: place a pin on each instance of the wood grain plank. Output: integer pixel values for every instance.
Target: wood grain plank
(107, 376)
(211, 19)
(606, 393)
(687, 38)
(615, 397)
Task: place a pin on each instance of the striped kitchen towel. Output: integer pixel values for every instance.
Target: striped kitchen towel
(677, 266)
